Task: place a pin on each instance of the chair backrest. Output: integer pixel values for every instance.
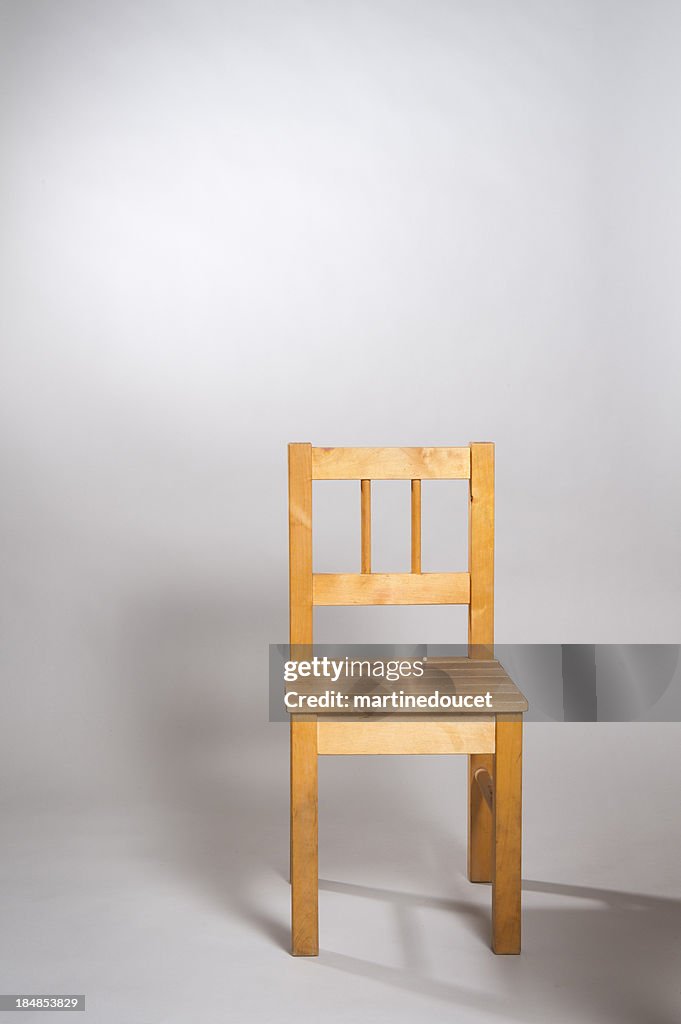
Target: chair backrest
(474, 463)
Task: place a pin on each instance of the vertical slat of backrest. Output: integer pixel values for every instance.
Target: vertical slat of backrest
(481, 551)
(366, 525)
(304, 846)
(416, 526)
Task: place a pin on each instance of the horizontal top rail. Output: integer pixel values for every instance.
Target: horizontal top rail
(391, 463)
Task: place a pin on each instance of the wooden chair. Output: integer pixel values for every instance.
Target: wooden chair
(492, 741)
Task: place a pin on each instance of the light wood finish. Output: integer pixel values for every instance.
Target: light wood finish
(304, 844)
(391, 588)
(481, 551)
(507, 815)
(493, 741)
(366, 525)
(484, 781)
(458, 678)
(396, 736)
(480, 821)
(391, 463)
(480, 639)
(300, 543)
(416, 526)
(473, 676)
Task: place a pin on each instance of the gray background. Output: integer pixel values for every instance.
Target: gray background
(229, 226)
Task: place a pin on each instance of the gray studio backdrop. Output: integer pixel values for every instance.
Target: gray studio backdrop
(228, 226)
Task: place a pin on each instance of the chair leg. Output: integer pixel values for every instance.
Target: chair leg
(479, 822)
(506, 860)
(304, 864)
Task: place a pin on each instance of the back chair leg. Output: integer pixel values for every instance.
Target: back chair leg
(479, 822)
(506, 812)
(304, 859)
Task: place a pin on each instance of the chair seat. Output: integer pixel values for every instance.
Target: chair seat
(467, 676)
(462, 687)
(464, 730)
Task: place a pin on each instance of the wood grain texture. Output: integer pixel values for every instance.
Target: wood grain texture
(366, 525)
(390, 588)
(304, 832)
(480, 642)
(300, 543)
(416, 526)
(480, 822)
(493, 740)
(483, 778)
(476, 676)
(390, 463)
(507, 832)
(466, 681)
(481, 551)
(304, 844)
(392, 736)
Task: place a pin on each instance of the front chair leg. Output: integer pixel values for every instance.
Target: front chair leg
(506, 853)
(304, 858)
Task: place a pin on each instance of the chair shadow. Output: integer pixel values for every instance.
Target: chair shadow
(220, 819)
(477, 921)
(628, 937)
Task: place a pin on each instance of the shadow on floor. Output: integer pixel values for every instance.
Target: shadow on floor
(219, 786)
(613, 957)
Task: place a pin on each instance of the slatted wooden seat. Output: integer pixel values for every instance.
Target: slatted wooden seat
(492, 740)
